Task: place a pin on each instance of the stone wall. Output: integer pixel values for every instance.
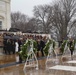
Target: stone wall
(5, 14)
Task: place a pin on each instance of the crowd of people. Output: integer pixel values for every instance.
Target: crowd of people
(12, 43)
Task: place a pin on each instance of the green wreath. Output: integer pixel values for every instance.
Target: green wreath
(47, 46)
(63, 46)
(68, 45)
(24, 48)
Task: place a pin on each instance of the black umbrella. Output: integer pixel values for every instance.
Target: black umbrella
(15, 37)
(7, 37)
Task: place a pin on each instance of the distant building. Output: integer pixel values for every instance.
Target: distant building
(5, 17)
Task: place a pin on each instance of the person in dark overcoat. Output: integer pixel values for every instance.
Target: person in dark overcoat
(42, 45)
(9, 46)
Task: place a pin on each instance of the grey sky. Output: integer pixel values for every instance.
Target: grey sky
(26, 6)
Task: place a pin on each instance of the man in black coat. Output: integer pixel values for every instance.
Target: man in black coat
(42, 45)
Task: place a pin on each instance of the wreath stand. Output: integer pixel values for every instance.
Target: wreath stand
(50, 58)
(66, 54)
(31, 60)
(50, 55)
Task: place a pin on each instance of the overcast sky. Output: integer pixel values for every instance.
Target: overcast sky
(26, 6)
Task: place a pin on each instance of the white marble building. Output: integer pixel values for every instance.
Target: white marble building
(5, 17)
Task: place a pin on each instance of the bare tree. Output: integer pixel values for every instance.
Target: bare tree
(64, 16)
(18, 20)
(44, 15)
(32, 25)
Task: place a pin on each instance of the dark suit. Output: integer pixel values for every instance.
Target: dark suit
(42, 45)
(9, 46)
